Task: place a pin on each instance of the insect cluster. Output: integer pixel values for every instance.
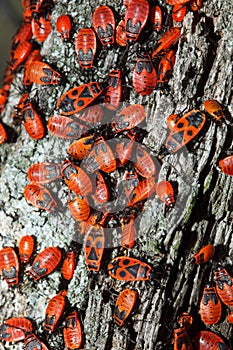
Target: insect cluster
(106, 144)
(203, 340)
(20, 328)
(210, 308)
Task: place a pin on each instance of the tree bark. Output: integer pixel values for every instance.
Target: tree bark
(167, 239)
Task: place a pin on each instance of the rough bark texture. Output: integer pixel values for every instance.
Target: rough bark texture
(167, 239)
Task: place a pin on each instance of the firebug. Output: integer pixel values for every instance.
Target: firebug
(54, 311)
(39, 196)
(104, 24)
(186, 128)
(224, 286)
(135, 18)
(129, 269)
(63, 25)
(85, 47)
(124, 305)
(94, 247)
(72, 331)
(210, 306)
(165, 192)
(9, 265)
(45, 262)
(26, 247)
(78, 98)
(65, 128)
(205, 254)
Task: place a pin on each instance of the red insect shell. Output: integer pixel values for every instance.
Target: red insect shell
(32, 342)
(124, 149)
(205, 254)
(214, 108)
(144, 190)
(11, 334)
(165, 192)
(64, 127)
(210, 306)
(26, 247)
(126, 2)
(144, 75)
(181, 339)
(156, 17)
(121, 37)
(78, 98)
(34, 56)
(177, 2)
(44, 172)
(68, 265)
(186, 128)
(101, 193)
(165, 69)
(17, 115)
(135, 18)
(128, 118)
(179, 12)
(96, 217)
(41, 73)
(20, 322)
(224, 286)
(172, 120)
(3, 134)
(100, 157)
(94, 247)
(230, 318)
(3, 99)
(9, 265)
(90, 115)
(78, 206)
(34, 5)
(168, 39)
(7, 80)
(129, 269)
(131, 182)
(72, 331)
(39, 196)
(113, 93)
(128, 233)
(185, 320)
(124, 305)
(80, 148)
(45, 262)
(32, 121)
(144, 164)
(54, 311)
(19, 55)
(41, 28)
(226, 165)
(63, 25)
(27, 16)
(205, 340)
(85, 47)
(76, 178)
(104, 24)
(195, 5)
(23, 34)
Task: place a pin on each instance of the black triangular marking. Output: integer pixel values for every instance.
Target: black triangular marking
(86, 93)
(133, 270)
(92, 255)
